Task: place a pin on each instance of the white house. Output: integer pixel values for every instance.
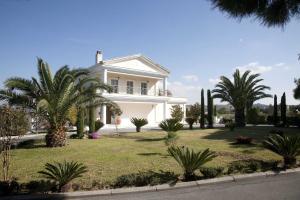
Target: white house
(139, 88)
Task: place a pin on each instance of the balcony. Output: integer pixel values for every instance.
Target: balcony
(120, 89)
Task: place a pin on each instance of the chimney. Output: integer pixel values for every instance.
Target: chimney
(99, 57)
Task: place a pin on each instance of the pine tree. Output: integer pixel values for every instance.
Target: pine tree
(275, 114)
(80, 123)
(202, 118)
(283, 109)
(209, 109)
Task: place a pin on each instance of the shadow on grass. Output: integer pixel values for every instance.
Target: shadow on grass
(149, 139)
(149, 154)
(31, 144)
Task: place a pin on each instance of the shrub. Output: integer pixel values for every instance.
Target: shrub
(9, 187)
(252, 116)
(189, 160)
(144, 179)
(277, 131)
(139, 122)
(177, 113)
(98, 125)
(243, 140)
(171, 138)
(40, 186)
(244, 166)
(190, 122)
(63, 173)
(170, 125)
(211, 172)
(286, 146)
(230, 125)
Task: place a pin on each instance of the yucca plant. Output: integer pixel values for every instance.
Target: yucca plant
(190, 122)
(286, 146)
(170, 125)
(189, 160)
(63, 173)
(139, 123)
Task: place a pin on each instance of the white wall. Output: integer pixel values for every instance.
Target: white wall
(134, 64)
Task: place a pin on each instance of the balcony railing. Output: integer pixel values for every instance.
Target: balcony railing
(133, 90)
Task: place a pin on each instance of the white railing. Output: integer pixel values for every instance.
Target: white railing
(120, 89)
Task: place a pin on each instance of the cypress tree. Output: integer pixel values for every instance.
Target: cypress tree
(275, 114)
(80, 123)
(209, 109)
(91, 119)
(283, 109)
(202, 118)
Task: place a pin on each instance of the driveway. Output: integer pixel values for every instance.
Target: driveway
(280, 187)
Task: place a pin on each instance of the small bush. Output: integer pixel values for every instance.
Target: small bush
(190, 122)
(230, 125)
(139, 123)
(244, 166)
(144, 179)
(211, 172)
(170, 125)
(9, 187)
(40, 186)
(243, 140)
(171, 138)
(26, 143)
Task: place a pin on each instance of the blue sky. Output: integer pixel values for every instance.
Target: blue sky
(196, 43)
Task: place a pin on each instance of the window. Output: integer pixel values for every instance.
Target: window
(115, 85)
(144, 89)
(129, 87)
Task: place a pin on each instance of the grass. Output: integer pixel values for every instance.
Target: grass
(113, 156)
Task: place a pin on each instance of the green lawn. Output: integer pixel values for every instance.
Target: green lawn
(112, 156)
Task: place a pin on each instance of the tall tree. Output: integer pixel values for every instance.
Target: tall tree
(283, 109)
(275, 111)
(55, 96)
(202, 118)
(269, 13)
(242, 92)
(195, 111)
(209, 109)
(92, 119)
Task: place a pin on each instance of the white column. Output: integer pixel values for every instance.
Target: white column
(165, 110)
(165, 86)
(105, 76)
(103, 114)
(184, 112)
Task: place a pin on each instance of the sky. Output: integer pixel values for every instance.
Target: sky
(196, 43)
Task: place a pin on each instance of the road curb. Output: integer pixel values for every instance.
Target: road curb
(199, 183)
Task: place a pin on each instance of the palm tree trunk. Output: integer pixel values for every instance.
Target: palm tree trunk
(240, 117)
(56, 137)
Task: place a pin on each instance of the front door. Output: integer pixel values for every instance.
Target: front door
(108, 115)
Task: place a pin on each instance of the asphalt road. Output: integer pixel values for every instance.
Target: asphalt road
(280, 187)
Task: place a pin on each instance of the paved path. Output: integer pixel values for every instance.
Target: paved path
(281, 187)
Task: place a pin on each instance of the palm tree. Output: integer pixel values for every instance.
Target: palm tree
(55, 95)
(241, 93)
(270, 13)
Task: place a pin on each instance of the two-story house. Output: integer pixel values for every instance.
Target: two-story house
(139, 88)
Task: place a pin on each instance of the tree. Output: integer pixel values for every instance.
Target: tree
(55, 96)
(92, 119)
(195, 111)
(177, 113)
(13, 124)
(253, 116)
(283, 109)
(269, 13)
(241, 93)
(210, 108)
(297, 89)
(202, 118)
(275, 111)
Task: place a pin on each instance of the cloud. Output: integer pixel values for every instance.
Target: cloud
(191, 92)
(190, 78)
(214, 80)
(255, 68)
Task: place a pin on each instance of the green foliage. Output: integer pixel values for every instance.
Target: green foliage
(171, 138)
(80, 123)
(210, 108)
(275, 111)
(269, 13)
(139, 122)
(189, 160)
(202, 118)
(241, 93)
(98, 125)
(286, 146)
(92, 119)
(211, 172)
(297, 89)
(283, 110)
(253, 116)
(63, 173)
(244, 166)
(144, 179)
(194, 111)
(230, 124)
(190, 122)
(177, 113)
(243, 140)
(170, 125)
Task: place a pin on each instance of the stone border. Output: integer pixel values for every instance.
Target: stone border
(199, 183)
